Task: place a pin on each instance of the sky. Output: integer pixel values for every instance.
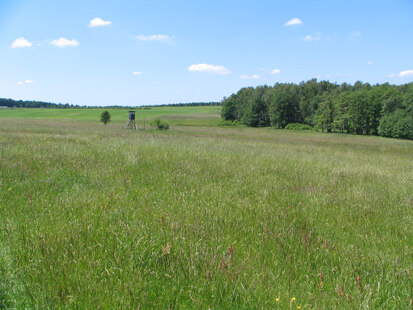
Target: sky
(132, 52)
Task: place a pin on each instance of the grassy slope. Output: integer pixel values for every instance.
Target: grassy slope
(98, 216)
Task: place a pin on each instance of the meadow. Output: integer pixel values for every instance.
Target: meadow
(200, 216)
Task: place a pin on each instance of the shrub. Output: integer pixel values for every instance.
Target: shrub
(105, 117)
(229, 123)
(160, 124)
(297, 126)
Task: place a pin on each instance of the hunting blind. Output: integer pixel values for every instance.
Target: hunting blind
(131, 123)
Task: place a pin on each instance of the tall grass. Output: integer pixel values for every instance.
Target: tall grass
(99, 216)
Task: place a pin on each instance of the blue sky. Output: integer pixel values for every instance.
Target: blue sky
(130, 52)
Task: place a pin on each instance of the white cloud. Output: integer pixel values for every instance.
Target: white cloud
(153, 37)
(63, 42)
(402, 74)
(209, 69)
(25, 82)
(311, 38)
(294, 21)
(406, 73)
(249, 77)
(369, 62)
(276, 71)
(137, 73)
(98, 22)
(21, 42)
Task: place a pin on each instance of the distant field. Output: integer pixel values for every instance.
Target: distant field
(203, 114)
(200, 216)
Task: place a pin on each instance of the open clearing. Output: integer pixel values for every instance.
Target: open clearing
(200, 216)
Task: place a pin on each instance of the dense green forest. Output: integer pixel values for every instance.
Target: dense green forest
(382, 109)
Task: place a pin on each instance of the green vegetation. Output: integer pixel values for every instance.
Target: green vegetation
(196, 116)
(41, 104)
(33, 104)
(297, 126)
(160, 124)
(105, 117)
(207, 217)
(385, 110)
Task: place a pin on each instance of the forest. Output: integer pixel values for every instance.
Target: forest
(364, 109)
(10, 103)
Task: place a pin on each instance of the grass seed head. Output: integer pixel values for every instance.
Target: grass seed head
(359, 282)
(224, 265)
(167, 249)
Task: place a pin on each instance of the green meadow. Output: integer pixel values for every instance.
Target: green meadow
(96, 216)
(177, 115)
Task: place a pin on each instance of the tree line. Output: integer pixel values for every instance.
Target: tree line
(10, 103)
(188, 104)
(381, 109)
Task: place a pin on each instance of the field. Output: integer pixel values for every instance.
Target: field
(200, 216)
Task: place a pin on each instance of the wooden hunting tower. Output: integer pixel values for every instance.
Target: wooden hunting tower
(131, 124)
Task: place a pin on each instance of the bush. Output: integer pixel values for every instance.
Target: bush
(160, 124)
(105, 117)
(297, 126)
(229, 123)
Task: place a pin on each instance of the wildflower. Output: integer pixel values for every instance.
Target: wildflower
(299, 307)
(277, 299)
(292, 299)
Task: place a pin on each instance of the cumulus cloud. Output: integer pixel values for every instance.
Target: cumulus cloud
(249, 77)
(21, 42)
(209, 69)
(137, 73)
(293, 22)
(276, 71)
(63, 42)
(153, 37)
(98, 22)
(402, 74)
(406, 73)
